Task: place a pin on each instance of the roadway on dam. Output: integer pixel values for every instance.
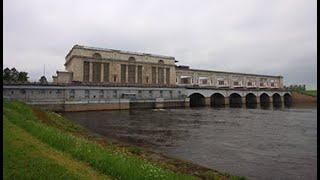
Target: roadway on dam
(256, 143)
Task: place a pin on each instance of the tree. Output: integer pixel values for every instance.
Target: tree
(14, 75)
(23, 77)
(43, 80)
(6, 74)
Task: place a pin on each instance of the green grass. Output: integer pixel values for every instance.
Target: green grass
(104, 160)
(25, 157)
(312, 93)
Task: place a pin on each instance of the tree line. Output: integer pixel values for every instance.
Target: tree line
(14, 76)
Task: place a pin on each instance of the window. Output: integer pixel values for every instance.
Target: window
(58, 91)
(86, 69)
(115, 78)
(221, 82)
(161, 62)
(115, 93)
(101, 94)
(86, 94)
(204, 81)
(72, 93)
(147, 79)
(140, 74)
(106, 72)
(160, 75)
(161, 93)
(249, 83)
(132, 74)
(123, 73)
(23, 91)
(261, 84)
(96, 72)
(12, 92)
(236, 83)
(154, 75)
(272, 84)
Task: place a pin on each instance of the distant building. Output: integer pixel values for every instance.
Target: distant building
(97, 65)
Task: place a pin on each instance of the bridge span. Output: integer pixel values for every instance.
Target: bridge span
(238, 98)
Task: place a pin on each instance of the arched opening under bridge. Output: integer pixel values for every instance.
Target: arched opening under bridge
(287, 100)
(197, 100)
(217, 100)
(264, 100)
(251, 100)
(276, 98)
(235, 100)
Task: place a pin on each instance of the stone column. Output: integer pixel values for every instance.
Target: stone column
(271, 100)
(243, 101)
(282, 101)
(90, 72)
(187, 102)
(258, 102)
(207, 101)
(102, 72)
(226, 102)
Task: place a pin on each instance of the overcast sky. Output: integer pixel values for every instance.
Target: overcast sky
(275, 37)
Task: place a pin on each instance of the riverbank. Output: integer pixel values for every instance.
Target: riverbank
(38, 144)
(299, 98)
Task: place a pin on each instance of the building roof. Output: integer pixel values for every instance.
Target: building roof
(119, 51)
(225, 72)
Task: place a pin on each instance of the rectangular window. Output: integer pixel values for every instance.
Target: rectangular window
(86, 94)
(86, 69)
(236, 83)
(123, 73)
(185, 80)
(221, 82)
(115, 93)
(72, 94)
(261, 84)
(96, 72)
(101, 94)
(154, 75)
(106, 72)
(132, 74)
(272, 84)
(249, 83)
(161, 75)
(139, 74)
(204, 81)
(167, 75)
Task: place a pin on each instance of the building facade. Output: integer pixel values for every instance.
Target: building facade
(107, 66)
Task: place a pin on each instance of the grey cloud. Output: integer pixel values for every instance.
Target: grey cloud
(254, 36)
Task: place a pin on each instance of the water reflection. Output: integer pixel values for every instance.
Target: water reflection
(259, 143)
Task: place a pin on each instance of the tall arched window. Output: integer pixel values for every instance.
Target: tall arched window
(97, 56)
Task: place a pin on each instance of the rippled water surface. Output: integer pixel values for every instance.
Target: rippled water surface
(255, 143)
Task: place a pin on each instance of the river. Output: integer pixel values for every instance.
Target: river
(255, 143)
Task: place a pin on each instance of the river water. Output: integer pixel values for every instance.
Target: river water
(255, 143)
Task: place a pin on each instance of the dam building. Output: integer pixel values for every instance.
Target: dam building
(98, 79)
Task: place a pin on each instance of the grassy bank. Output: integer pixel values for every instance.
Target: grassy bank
(40, 144)
(312, 93)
